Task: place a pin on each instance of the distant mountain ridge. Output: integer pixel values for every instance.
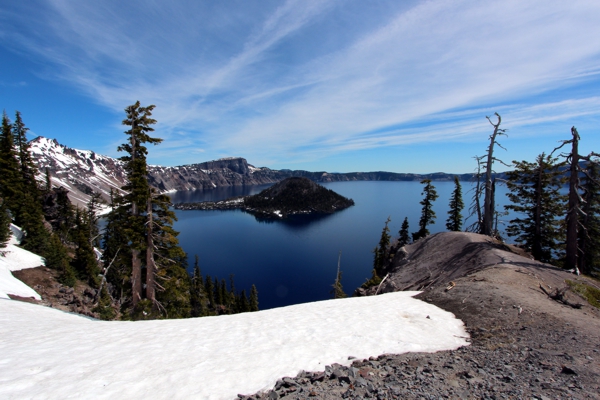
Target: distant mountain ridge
(83, 172)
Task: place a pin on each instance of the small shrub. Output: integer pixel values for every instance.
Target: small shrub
(374, 281)
(588, 292)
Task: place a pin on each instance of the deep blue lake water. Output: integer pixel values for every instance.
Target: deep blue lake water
(295, 261)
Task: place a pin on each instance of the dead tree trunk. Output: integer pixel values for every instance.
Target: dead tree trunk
(475, 207)
(573, 205)
(488, 203)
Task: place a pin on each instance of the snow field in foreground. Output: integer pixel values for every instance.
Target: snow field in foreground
(47, 353)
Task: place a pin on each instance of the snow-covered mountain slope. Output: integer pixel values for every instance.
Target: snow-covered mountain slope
(83, 172)
(46, 353)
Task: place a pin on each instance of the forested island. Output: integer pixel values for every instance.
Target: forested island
(296, 195)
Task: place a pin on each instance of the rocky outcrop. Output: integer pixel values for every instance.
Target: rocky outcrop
(82, 299)
(524, 344)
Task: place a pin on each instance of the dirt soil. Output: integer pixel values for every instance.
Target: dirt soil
(79, 299)
(524, 345)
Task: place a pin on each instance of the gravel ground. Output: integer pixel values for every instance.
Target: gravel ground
(524, 345)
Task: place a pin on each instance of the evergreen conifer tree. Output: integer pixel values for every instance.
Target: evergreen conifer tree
(210, 292)
(534, 193)
(165, 261)
(116, 257)
(10, 182)
(337, 289)
(27, 165)
(253, 299)
(57, 258)
(173, 296)
(242, 303)
(137, 189)
(48, 180)
(104, 307)
(404, 237)
(381, 251)
(197, 294)
(163, 252)
(85, 262)
(219, 294)
(147, 225)
(232, 293)
(427, 213)
(93, 207)
(20, 187)
(5, 232)
(454, 221)
(60, 213)
(224, 293)
(589, 235)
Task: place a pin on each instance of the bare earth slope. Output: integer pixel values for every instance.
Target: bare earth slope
(524, 344)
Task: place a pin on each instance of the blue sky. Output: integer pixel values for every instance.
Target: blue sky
(340, 85)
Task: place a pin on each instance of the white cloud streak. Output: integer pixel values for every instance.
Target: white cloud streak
(259, 79)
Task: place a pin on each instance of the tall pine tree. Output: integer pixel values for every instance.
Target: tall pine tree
(19, 187)
(427, 213)
(404, 236)
(57, 257)
(535, 196)
(10, 182)
(84, 261)
(197, 292)
(116, 256)
(589, 234)
(137, 189)
(5, 232)
(337, 289)
(167, 281)
(382, 250)
(253, 299)
(455, 218)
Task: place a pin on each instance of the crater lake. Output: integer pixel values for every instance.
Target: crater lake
(295, 260)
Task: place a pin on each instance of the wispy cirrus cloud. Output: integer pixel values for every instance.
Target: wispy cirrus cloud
(279, 80)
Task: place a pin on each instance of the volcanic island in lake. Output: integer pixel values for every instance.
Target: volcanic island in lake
(291, 196)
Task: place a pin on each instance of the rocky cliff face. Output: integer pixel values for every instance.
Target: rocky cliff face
(83, 172)
(223, 172)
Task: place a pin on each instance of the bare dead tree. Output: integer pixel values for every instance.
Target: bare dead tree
(487, 223)
(575, 210)
(475, 207)
(105, 272)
